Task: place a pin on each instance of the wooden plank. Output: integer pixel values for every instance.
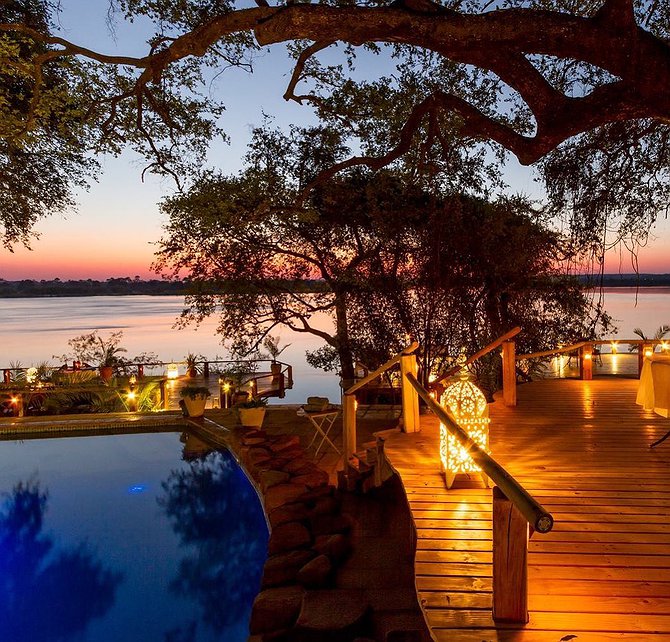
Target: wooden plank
(582, 450)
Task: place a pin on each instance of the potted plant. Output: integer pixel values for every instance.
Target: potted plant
(195, 398)
(271, 344)
(252, 412)
(192, 364)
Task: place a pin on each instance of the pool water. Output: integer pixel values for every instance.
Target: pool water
(119, 538)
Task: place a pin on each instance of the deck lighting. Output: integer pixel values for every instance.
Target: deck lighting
(468, 404)
(172, 371)
(31, 375)
(648, 352)
(613, 347)
(588, 356)
(132, 380)
(131, 395)
(664, 346)
(14, 400)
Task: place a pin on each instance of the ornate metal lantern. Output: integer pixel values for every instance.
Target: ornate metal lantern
(468, 405)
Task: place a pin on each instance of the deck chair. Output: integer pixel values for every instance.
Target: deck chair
(321, 415)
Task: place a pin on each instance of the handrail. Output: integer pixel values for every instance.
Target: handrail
(541, 520)
(479, 354)
(593, 342)
(385, 366)
(548, 353)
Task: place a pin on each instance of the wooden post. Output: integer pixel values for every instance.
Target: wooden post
(205, 369)
(510, 561)
(348, 426)
(645, 348)
(410, 400)
(586, 362)
(509, 373)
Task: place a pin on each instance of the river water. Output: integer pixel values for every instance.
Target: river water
(33, 330)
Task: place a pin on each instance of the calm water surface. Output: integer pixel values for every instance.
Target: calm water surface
(117, 539)
(32, 330)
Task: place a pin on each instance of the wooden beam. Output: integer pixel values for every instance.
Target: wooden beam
(586, 362)
(510, 561)
(410, 400)
(348, 426)
(509, 373)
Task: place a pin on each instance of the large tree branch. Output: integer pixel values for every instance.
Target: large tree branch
(498, 41)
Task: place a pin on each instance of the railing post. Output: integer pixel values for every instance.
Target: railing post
(586, 362)
(510, 561)
(410, 400)
(509, 373)
(205, 370)
(348, 426)
(645, 351)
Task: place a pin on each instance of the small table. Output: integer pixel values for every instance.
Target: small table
(322, 422)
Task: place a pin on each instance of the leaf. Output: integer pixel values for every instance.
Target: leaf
(565, 638)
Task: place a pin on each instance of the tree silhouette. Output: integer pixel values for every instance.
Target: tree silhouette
(217, 515)
(46, 594)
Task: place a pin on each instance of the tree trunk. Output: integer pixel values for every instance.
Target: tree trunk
(347, 370)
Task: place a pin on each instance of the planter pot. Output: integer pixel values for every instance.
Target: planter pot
(275, 368)
(106, 373)
(252, 417)
(191, 372)
(195, 405)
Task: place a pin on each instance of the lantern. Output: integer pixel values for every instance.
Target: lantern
(468, 405)
(172, 371)
(31, 375)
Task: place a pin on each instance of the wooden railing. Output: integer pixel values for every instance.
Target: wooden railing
(515, 511)
(410, 402)
(584, 350)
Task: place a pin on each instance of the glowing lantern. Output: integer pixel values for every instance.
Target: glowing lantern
(468, 405)
(31, 375)
(172, 371)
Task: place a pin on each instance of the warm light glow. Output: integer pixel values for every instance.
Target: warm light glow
(132, 380)
(468, 405)
(14, 400)
(588, 356)
(664, 346)
(226, 387)
(31, 375)
(131, 395)
(172, 371)
(613, 347)
(648, 352)
(615, 363)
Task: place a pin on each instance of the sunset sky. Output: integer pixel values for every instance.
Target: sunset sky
(117, 221)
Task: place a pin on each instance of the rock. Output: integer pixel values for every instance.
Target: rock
(296, 465)
(254, 434)
(330, 524)
(316, 493)
(315, 573)
(288, 513)
(312, 480)
(335, 610)
(270, 478)
(324, 506)
(258, 455)
(282, 494)
(287, 537)
(275, 608)
(283, 568)
(253, 441)
(293, 453)
(336, 547)
(278, 463)
(285, 441)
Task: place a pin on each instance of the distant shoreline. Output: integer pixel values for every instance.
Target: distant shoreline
(125, 286)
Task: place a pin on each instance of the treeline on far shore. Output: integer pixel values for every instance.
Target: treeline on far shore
(122, 286)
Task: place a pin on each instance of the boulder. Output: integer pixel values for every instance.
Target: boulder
(282, 494)
(288, 513)
(287, 537)
(335, 610)
(315, 573)
(330, 524)
(336, 547)
(275, 608)
(295, 465)
(283, 568)
(270, 478)
(312, 480)
(283, 442)
(324, 506)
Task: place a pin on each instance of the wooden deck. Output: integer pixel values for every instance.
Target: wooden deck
(582, 449)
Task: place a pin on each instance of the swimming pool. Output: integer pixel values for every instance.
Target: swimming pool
(126, 538)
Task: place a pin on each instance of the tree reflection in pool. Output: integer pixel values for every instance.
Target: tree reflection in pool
(118, 540)
(215, 528)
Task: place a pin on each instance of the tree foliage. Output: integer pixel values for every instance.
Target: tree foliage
(394, 260)
(579, 86)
